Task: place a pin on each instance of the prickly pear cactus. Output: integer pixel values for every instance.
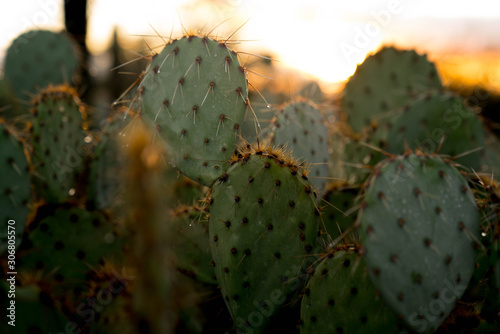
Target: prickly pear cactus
(263, 224)
(195, 94)
(433, 117)
(38, 58)
(385, 81)
(35, 311)
(358, 159)
(299, 126)
(58, 139)
(340, 298)
(15, 189)
(192, 243)
(339, 214)
(419, 226)
(64, 243)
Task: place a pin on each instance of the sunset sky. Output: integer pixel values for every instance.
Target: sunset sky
(323, 38)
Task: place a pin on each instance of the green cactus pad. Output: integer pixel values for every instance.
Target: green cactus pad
(263, 225)
(427, 119)
(359, 159)
(38, 58)
(337, 214)
(15, 189)
(385, 81)
(58, 140)
(195, 93)
(300, 126)
(191, 244)
(35, 311)
(64, 244)
(340, 298)
(419, 226)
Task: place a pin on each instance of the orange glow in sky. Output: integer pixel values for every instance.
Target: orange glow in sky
(323, 38)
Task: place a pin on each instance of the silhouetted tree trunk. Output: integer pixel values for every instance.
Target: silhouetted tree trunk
(75, 19)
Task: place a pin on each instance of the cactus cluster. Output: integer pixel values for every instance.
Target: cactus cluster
(168, 219)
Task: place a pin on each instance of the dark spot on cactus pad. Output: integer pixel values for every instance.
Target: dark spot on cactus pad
(394, 258)
(447, 260)
(369, 230)
(324, 272)
(236, 126)
(354, 291)
(400, 296)
(212, 263)
(307, 190)
(269, 227)
(347, 263)
(458, 278)
(216, 238)
(95, 222)
(250, 179)
(363, 319)
(34, 330)
(461, 226)
(291, 204)
(233, 251)
(226, 270)
(401, 222)
(463, 189)
(223, 149)
(302, 237)
(185, 156)
(376, 271)
(236, 297)
(73, 218)
(236, 199)
(427, 242)
(206, 141)
(80, 254)
(247, 251)
(227, 223)
(277, 183)
(246, 284)
(277, 255)
(302, 226)
(260, 200)
(205, 164)
(307, 292)
(244, 220)
(308, 248)
(313, 319)
(438, 210)
(155, 69)
(267, 165)
(435, 294)
(417, 192)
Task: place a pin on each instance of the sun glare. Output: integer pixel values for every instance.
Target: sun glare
(325, 39)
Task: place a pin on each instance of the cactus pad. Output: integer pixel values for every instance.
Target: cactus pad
(58, 140)
(433, 117)
(340, 298)
(263, 224)
(195, 93)
(15, 189)
(38, 58)
(300, 126)
(385, 81)
(419, 226)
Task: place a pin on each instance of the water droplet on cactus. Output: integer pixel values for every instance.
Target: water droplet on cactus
(72, 192)
(88, 139)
